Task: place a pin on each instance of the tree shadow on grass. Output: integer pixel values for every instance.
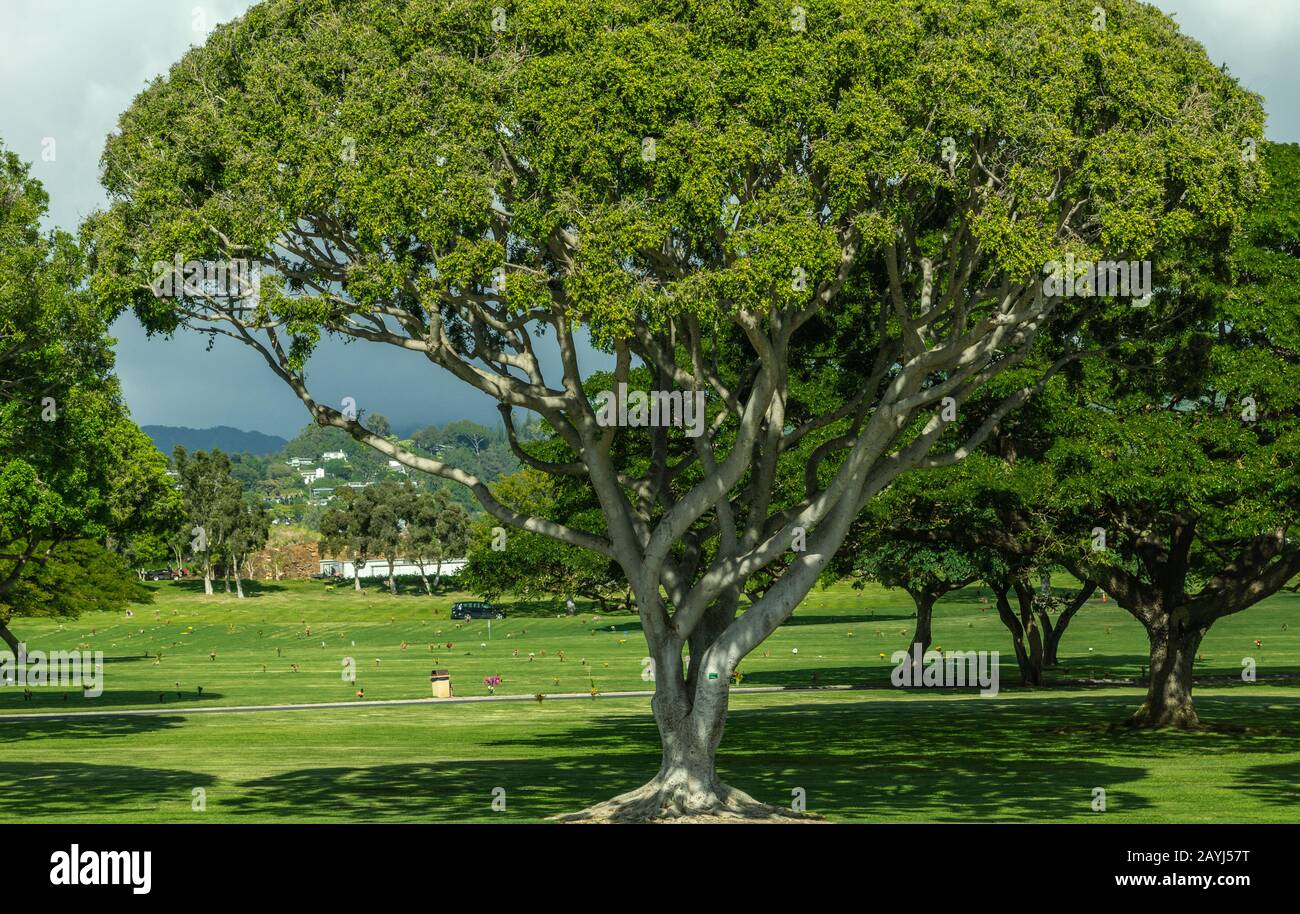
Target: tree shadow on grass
(88, 791)
(252, 588)
(1278, 784)
(127, 658)
(452, 791)
(582, 609)
(843, 619)
(862, 761)
(878, 676)
(87, 727)
(864, 677)
(51, 700)
(979, 759)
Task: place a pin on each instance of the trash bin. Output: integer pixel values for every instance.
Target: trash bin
(441, 681)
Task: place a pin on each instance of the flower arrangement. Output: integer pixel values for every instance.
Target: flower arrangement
(492, 682)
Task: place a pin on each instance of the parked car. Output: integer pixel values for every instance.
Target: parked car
(160, 574)
(332, 575)
(476, 609)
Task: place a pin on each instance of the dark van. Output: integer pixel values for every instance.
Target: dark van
(476, 609)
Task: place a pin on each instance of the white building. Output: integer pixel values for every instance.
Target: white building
(397, 465)
(333, 455)
(378, 568)
(309, 478)
(300, 461)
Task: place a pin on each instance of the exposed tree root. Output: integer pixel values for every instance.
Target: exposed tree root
(1177, 717)
(657, 802)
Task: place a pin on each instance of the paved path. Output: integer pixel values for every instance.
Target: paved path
(180, 710)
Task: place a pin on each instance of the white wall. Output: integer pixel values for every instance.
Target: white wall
(378, 568)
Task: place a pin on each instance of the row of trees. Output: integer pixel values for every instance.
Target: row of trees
(1169, 481)
(394, 521)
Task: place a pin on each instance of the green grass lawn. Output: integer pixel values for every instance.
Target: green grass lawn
(873, 754)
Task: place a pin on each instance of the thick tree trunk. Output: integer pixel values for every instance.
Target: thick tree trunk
(687, 784)
(239, 584)
(207, 579)
(1169, 689)
(392, 584)
(424, 578)
(1033, 636)
(356, 577)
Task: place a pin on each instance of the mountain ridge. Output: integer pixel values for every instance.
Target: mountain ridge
(229, 439)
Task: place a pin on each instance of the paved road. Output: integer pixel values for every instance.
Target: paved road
(181, 710)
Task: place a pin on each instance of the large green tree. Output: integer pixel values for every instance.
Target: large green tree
(1198, 499)
(77, 477)
(742, 200)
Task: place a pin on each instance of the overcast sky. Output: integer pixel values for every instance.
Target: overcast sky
(68, 68)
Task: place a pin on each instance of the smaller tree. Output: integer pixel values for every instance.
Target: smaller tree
(212, 498)
(1047, 602)
(368, 522)
(345, 530)
(251, 529)
(437, 529)
(81, 576)
(927, 571)
(535, 565)
(386, 504)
